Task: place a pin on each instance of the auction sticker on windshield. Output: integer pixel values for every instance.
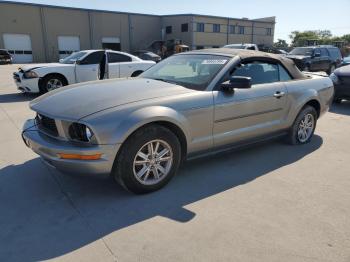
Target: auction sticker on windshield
(214, 61)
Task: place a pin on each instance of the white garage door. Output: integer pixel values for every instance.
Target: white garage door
(20, 46)
(68, 45)
(112, 43)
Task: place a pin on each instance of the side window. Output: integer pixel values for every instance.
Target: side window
(284, 75)
(168, 29)
(324, 52)
(94, 58)
(118, 58)
(184, 27)
(200, 27)
(317, 50)
(260, 72)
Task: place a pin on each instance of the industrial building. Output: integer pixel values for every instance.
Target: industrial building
(42, 33)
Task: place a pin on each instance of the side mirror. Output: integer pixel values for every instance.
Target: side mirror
(318, 54)
(78, 62)
(239, 82)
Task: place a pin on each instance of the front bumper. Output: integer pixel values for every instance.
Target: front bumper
(49, 148)
(27, 85)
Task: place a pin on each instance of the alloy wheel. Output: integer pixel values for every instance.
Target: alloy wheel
(153, 162)
(306, 127)
(54, 84)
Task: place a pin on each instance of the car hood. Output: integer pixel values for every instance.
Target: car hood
(77, 101)
(35, 66)
(297, 57)
(343, 71)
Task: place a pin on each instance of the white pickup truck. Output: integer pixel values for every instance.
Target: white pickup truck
(87, 65)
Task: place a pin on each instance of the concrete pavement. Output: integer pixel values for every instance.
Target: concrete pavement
(273, 202)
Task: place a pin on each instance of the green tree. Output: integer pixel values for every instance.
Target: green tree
(281, 43)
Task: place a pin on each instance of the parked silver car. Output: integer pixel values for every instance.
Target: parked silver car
(140, 130)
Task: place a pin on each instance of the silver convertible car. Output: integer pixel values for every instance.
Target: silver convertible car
(140, 130)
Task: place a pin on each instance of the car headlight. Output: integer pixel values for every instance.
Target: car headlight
(334, 78)
(30, 74)
(80, 132)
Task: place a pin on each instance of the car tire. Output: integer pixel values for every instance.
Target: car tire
(137, 170)
(136, 73)
(301, 132)
(51, 82)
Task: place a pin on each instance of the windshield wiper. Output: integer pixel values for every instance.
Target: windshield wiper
(164, 80)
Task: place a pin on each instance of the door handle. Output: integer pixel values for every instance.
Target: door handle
(94, 69)
(278, 94)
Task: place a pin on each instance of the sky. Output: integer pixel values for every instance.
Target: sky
(290, 15)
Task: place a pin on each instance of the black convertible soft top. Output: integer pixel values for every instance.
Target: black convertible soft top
(247, 55)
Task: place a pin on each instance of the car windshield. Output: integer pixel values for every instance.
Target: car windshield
(191, 71)
(3, 52)
(235, 46)
(301, 51)
(73, 58)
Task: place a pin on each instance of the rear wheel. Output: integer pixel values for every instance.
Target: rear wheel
(148, 159)
(303, 127)
(52, 82)
(136, 73)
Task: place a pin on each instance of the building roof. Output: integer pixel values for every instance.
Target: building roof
(260, 20)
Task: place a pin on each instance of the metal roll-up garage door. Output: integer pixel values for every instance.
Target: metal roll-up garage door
(20, 46)
(112, 43)
(68, 45)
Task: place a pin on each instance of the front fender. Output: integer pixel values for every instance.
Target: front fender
(67, 72)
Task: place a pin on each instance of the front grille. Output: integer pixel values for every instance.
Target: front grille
(46, 124)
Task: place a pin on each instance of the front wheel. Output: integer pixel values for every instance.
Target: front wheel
(303, 127)
(52, 82)
(148, 159)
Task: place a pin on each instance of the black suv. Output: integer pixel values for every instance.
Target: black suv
(316, 58)
(5, 57)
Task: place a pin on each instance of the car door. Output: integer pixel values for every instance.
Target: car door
(88, 69)
(127, 66)
(120, 65)
(248, 113)
(316, 63)
(325, 60)
(113, 65)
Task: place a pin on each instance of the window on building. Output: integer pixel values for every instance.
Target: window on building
(199, 47)
(241, 30)
(268, 31)
(200, 27)
(184, 27)
(169, 29)
(232, 29)
(216, 28)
